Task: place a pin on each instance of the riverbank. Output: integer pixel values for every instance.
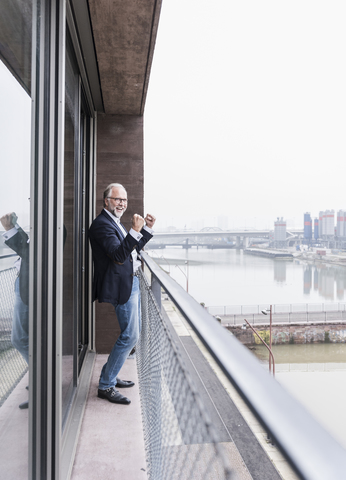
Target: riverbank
(292, 333)
(317, 258)
(316, 255)
(269, 253)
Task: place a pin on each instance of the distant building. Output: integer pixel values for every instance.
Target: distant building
(340, 224)
(280, 233)
(316, 229)
(307, 227)
(329, 223)
(320, 224)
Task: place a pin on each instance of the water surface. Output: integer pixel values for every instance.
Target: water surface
(315, 374)
(230, 277)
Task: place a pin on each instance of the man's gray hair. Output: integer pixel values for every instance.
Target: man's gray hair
(108, 190)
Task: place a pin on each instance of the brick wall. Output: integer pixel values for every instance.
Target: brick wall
(119, 159)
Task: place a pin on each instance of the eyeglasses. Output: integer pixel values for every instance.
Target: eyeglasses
(119, 200)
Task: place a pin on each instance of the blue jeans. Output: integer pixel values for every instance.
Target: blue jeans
(129, 318)
(20, 324)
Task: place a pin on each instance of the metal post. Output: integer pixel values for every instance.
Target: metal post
(270, 340)
(187, 275)
(271, 355)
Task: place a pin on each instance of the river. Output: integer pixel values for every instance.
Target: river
(314, 374)
(230, 277)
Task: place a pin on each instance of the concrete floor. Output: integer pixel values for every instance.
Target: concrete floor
(14, 434)
(111, 443)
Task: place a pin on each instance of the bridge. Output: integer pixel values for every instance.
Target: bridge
(213, 236)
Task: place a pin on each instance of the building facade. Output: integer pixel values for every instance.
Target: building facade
(74, 78)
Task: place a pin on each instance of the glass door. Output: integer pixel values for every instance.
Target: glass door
(76, 213)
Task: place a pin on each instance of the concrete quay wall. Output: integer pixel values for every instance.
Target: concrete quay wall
(292, 333)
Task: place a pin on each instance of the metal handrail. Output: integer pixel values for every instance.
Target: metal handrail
(310, 449)
(8, 256)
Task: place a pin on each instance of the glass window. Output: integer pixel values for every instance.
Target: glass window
(76, 211)
(69, 264)
(15, 135)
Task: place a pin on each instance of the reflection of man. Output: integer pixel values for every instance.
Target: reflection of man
(18, 240)
(115, 255)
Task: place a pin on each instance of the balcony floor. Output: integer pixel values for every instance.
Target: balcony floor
(111, 443)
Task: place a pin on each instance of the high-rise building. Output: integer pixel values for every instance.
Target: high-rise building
(329, 220)
(280, 232)
(327, 224)
(316, 229)
(307, 226)
(320, 223)
(340, 223)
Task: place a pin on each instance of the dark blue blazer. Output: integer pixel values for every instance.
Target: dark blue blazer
(113, 264)
(19, 243)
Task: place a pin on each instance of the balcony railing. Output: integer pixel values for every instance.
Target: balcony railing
(179, 438)
(12, 364)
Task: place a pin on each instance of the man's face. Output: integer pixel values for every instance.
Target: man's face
(116, 202)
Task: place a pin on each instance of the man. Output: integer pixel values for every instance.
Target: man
(115, 254)
(18, 240)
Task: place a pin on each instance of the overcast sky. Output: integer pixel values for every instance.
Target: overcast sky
(246, 111)
(15, 121)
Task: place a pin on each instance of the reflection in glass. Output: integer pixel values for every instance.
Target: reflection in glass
(71, 124)
(15, 134)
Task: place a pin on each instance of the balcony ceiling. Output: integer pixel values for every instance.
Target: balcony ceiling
(124, 34)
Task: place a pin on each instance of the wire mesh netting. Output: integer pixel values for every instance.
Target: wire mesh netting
(12, 365)
(179, 438)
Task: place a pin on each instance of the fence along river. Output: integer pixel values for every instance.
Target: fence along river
(281, 314)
